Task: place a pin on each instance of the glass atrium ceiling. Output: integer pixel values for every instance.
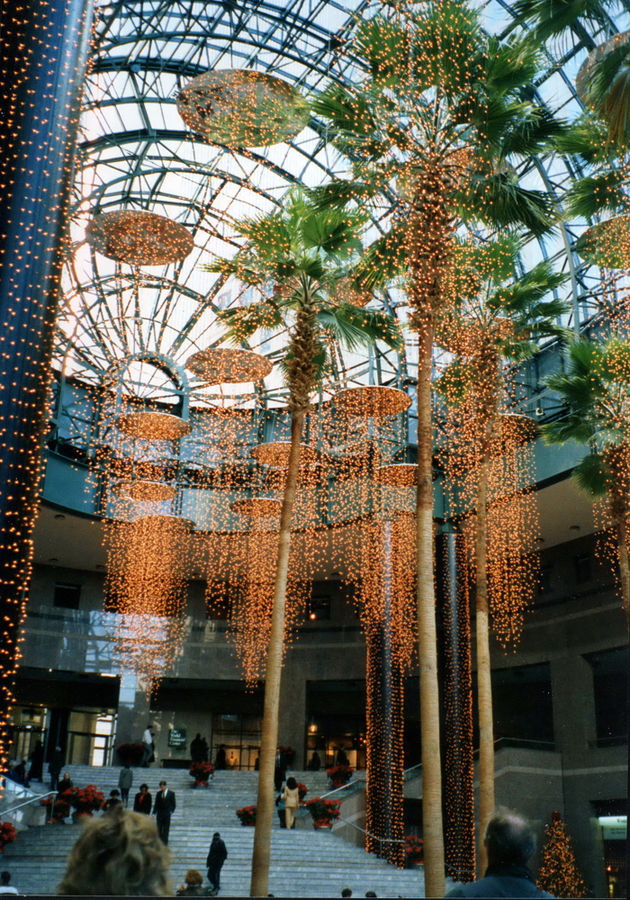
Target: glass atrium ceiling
(136, 153)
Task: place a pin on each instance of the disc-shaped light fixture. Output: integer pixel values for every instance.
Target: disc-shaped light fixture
(139, 238)
(372, 402)
(242, 108)
(257, 507)
(152, 426)
(398, 475)
(227, 365)
(145, 491)
(607, 244)
(276, 453)
(583, 76)
(165, 524)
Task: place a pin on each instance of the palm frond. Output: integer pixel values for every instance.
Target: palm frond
(593, 475)
(551, 17)
(354, 326)
(339, 193)
(510, 64)
(384, 259)
(447, 47)
(608, 92)
(333, 231)
(244, 321)
(384, 45)
(498, 200)
(596, 193)
(586, 138)
(353, 128)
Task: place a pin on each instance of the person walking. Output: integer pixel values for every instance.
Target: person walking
(510, 843)
(217, 854)
(291, 797)
(280, 770)
(55, 766)
(125, 780)
(142, 801)
(163, 808)
(196, 749)
(148, 746)
(37, 762)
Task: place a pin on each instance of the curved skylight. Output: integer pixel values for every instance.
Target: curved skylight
(136, 153)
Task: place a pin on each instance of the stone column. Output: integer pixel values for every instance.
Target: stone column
(43, 55)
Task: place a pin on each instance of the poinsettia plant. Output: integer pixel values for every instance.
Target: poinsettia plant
(339, 775)
(7, 834)
(414, 848)
(247, 815)
(323, 812)
(302, 791)
(58, 807)
(86, 800)
(201, 772)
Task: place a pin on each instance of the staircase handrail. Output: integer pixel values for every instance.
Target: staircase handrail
(368, 834)
(11, 809)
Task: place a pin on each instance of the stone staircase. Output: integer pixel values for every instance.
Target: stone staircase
(304, 862)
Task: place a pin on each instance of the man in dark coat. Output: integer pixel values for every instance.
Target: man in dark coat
(163, 809)
(217, 854)
(196, 749)
(510, 843)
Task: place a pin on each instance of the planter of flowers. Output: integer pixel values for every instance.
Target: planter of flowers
(323, 812)
(130, 754)
(86, 800)
(302, 791)
(201, 772)
(57, 808)
(414, 849)
(247, 815)
(7, 834)
(339, 775)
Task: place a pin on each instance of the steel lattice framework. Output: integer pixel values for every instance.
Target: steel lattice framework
(136, 153)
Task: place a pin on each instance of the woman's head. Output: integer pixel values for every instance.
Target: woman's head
(120, 853)
(291, 783)
(193, 877)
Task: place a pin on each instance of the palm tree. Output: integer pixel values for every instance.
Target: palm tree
(495, 320)
(304, 254)
(596, 392)
(430, 134)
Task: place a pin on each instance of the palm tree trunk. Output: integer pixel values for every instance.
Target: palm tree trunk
(484, 672)
(427, 637)
(269, 739)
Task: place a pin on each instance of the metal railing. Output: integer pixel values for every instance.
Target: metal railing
(18, 810)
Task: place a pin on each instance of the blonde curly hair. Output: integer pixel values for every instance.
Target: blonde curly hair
(119, 853)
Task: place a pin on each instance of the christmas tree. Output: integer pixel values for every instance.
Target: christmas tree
(559, 874)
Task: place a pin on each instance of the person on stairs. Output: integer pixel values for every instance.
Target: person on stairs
(55, 766)
(217, 854)
(125, 780)
(142, 801)
(163, 808)
(291, 797)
